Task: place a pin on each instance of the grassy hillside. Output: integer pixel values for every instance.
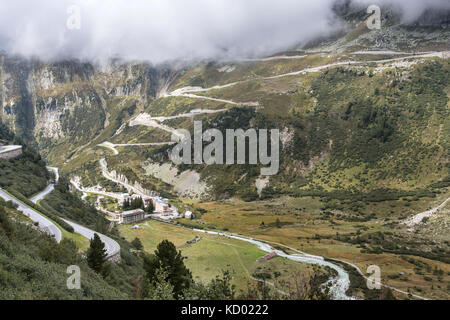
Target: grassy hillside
(372, 125)
(394, 136)
(33, 266)
(34, 262)
(25, 174)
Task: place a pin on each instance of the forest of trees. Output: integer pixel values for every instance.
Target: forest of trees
(137, 203)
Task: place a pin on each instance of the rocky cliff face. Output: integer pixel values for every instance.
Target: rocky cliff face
(429, 31)
(333, 136)
(71, 101)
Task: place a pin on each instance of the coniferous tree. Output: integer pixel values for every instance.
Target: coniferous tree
(126, 204)
(167, 258)
(137, 243)
(150, 208)
(278, 223)
(96, 254)
(101, 225)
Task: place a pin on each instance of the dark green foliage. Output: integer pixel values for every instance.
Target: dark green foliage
(381, 131)
(377, 195)
(118, 277)
(5, 134)
(220, 288)
(223, 177)
(26, 174)
(96, 255)
(359, 284)
(278, 223)
(379, 242)
(5, 223)
(34, 266)
(167, 258)
(387, 294)
(63, 253)
(66, 204)
(441, 184)
(150, 208)
(137, 244)
(132, 204)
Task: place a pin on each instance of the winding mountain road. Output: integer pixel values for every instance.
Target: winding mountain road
(44, 223)
(145, 119)
(190, 90)
(112, 146)
(41, 195)
(111, 246)
(110, 177)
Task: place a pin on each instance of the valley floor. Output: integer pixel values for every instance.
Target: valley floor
(213, 254)
(309, 231)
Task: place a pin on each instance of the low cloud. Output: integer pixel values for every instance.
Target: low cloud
(164, 30)
(410, 9)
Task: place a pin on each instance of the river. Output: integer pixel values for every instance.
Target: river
(339, 284)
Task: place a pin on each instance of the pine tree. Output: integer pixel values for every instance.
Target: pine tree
(139, 203)
(278, 223)
(150, 208)
(167, 258)
(126, 204)
(137, 243)
(96, 254)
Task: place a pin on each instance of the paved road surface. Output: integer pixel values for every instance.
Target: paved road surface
(55, 172)
(111, 246)
(43, 194)
(5, 149)
(44, 223)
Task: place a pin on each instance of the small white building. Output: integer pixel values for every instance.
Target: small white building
(189, 215)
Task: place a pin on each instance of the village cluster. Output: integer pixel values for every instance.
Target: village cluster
(161, 209)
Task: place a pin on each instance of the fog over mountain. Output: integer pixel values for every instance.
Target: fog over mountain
(161, 30)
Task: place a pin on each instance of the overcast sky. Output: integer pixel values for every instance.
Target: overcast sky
(161, 30)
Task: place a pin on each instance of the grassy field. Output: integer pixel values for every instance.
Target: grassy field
(303, 225)
(212, 254)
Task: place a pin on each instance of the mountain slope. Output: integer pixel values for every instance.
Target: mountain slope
(364, 140)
